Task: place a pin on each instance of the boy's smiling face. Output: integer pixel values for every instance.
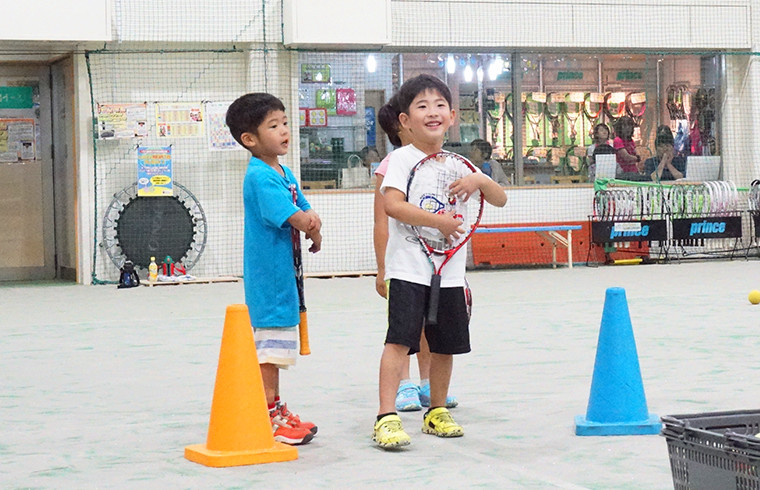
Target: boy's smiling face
(428, 118)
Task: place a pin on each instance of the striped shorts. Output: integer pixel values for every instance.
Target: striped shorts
(278, 346)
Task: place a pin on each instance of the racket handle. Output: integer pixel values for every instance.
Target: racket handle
(303, 334)
(435, 294)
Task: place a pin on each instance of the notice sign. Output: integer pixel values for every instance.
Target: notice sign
(122, 120)
(179, 120)
(154, 171)
(17, 140)
(16, 97)
(218, 134)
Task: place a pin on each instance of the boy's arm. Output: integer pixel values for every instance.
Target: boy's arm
(316, 242)
(317, 223)
(396, 207)
(306, 222)
(303, 221)
(491, 190)
(380, 237)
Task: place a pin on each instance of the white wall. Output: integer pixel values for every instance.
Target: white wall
(52, 20)
(652, 24)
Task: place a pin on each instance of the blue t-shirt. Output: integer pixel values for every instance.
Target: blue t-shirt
(269, 277)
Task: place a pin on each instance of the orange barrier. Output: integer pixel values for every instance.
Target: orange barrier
(530, 248)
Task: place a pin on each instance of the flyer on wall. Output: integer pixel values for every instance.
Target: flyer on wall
(154, 171)
(17, 140)
(122, 120)
(219, 136)
(179, 120)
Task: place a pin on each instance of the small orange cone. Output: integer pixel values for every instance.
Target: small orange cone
(239, 432)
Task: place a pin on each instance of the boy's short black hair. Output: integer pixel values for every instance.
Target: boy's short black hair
(249, 111)
(415, 86)
(483, 146)
(387, 118)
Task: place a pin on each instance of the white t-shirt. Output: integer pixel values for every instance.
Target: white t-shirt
(404, 258)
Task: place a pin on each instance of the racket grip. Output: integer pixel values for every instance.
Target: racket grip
(435, 294)
(303, 335)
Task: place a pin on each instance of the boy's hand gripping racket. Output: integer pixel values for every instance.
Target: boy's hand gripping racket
(303, 324)
(429, 188)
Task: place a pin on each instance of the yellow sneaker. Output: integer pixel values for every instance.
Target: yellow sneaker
(389, 434)
(438, 421)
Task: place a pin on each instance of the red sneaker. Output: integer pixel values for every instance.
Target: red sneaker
(284, 432)
(293, 419)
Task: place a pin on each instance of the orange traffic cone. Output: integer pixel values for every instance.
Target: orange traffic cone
(239, 432)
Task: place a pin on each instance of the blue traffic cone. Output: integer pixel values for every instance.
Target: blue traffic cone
(617, 405)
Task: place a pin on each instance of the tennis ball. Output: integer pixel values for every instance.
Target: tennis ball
(754, 296)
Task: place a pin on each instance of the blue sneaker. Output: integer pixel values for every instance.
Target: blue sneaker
(451, 401)
(408, 398)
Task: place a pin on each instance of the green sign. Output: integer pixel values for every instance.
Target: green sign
(570, 75)
(16, 97)
(315, 73)
(629, 75)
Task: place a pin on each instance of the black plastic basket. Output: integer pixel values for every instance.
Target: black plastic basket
(714, 451)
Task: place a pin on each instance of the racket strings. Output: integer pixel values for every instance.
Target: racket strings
(429, 188)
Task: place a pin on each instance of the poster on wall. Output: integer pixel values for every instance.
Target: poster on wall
(315, 73)
(326, 100)
(317, 117)
(219, 136)
(345, 102)
(17, 140)
(122, 120)
(179, 120)
(154, 171)
(370, 123)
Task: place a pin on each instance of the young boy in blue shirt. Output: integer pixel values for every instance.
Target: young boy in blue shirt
(258, 122)
(425, 110)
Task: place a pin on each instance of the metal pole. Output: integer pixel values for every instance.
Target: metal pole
(517, 117)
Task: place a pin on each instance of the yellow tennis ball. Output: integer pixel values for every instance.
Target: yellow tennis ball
(754, 296)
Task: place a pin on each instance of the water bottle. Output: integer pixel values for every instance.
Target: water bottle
(152, 271)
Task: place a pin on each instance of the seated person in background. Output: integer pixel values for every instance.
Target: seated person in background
(600, 136)
(664, 165)
(480, 154)
(629, 161)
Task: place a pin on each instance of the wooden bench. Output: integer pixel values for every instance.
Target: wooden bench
(318, 184)
(568, 179)
(552, 233)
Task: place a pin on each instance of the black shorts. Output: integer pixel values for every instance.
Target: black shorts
(407, 309)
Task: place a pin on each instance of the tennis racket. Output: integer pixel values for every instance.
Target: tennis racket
(614, 105)
(535, 111)
(553, 109)
(636, 106)
(428, 188)
(573, 111)
(495, 113)
(303, 324)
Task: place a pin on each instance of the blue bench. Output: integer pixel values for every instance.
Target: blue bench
(552, 233)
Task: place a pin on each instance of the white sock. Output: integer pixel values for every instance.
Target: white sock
(404, 381)
(424, 382)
